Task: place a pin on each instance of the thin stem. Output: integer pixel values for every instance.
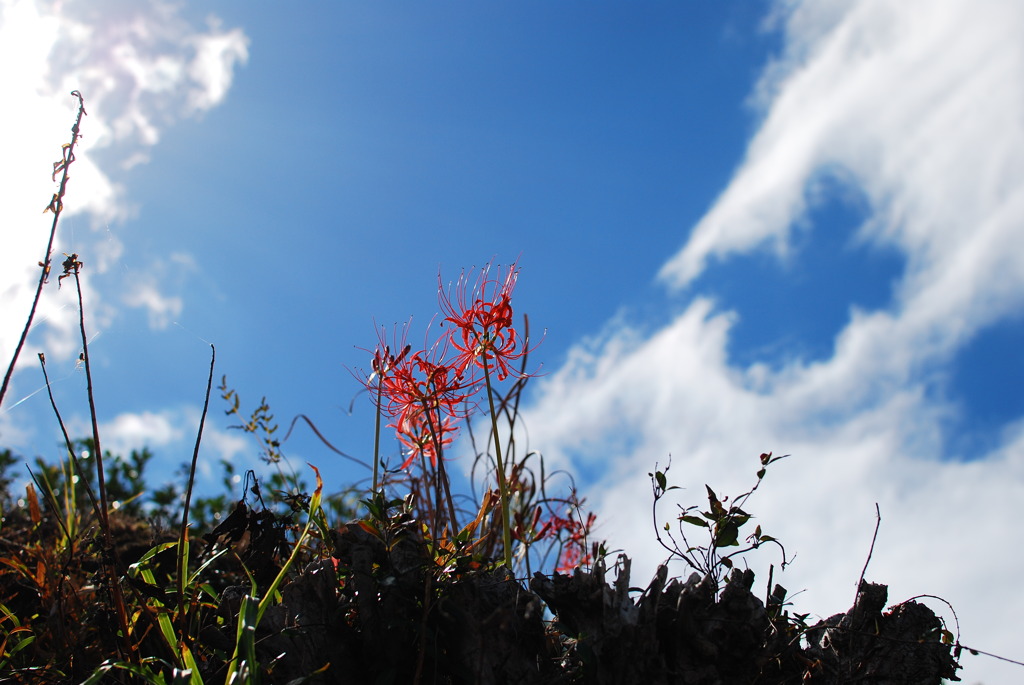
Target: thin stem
(75, 465)
(56, 205)
(72, 266)
(182, 556)
(435, 518)
(325, 441)
(376, 438)
(441, 474)
(874, 538)
(67, 440)
(506, 528)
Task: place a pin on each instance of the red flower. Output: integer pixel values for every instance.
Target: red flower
(421, 391)
(416, 384)
(415, 434)
(530, 532)
(574, 547)
(482, 314)
(384, 360)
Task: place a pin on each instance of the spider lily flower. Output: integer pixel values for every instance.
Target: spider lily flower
(415, 434)
(384, 360)
(574, 549)
(417, 384)
(481, 313)
(386, 356)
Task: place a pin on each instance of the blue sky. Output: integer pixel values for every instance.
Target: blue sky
(744, 226)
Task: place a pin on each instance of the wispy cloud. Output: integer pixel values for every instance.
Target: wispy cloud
(170, 433)
(129, 432)
(919, 106)
(147, 289)
(141, 67)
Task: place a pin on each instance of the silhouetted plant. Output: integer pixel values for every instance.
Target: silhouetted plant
(722, 522)
(55, 206)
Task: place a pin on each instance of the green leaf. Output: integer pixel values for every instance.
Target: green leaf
(712, 497)
(716, 505)
(727, 535)
(693, 521)
(244, 657)
(144, 671)
(373, 508)
(191, 673)
(370, 528)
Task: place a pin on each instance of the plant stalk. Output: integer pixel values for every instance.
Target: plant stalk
(182, 553)
(506, 528)
(56, 205)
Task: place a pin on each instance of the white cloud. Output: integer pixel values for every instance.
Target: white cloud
(170, 434)
(141, 67)
(130, 431)
(920, 106)
(232, 446)
(162, 308)
(213, 66)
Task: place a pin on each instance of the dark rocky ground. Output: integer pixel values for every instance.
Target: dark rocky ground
(369, 614)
